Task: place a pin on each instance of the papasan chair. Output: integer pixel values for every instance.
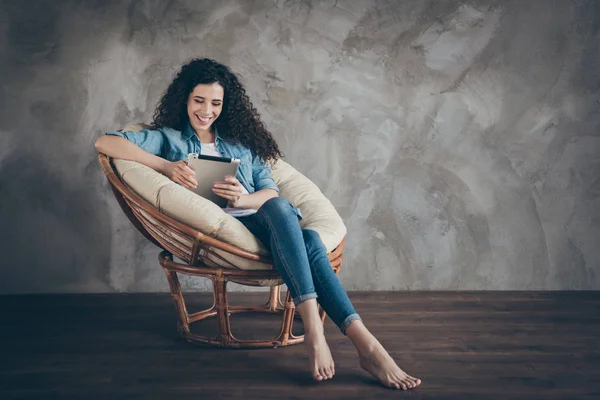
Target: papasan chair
(211, 244)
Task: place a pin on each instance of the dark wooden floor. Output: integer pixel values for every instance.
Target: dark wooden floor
(463, 345)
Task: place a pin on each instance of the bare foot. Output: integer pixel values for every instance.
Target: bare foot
(380, 364)
(321, 362)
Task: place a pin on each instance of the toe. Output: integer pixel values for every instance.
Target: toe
(324, 373)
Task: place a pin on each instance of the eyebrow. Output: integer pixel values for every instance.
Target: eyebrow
(200, 97)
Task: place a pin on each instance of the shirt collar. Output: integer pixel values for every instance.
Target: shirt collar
(188, 132)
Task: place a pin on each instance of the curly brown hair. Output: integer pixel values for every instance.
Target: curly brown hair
(239, 122)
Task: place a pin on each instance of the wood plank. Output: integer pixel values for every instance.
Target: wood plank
(509, 345)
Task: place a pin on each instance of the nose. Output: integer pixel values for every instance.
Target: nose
(206, 109)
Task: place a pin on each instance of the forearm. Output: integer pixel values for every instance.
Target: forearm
(256, 199)
(118, 147)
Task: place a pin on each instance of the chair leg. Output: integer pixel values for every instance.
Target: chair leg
(288, 321)
(222, 308)
(274, 303)
(183, 322)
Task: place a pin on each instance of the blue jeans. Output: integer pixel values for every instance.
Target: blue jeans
(300, 257)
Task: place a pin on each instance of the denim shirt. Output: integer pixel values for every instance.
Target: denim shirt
(253, 173)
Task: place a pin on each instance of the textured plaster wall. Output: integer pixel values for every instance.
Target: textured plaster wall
(459, 140)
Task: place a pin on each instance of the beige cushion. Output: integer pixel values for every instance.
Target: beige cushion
(208, 218)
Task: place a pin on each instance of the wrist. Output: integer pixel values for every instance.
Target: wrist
(162, 164)
(240, 202)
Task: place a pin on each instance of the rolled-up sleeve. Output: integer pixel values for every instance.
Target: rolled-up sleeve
(151, 141)
(261, 175)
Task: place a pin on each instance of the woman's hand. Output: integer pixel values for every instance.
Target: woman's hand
(230, 189)
(181, 173)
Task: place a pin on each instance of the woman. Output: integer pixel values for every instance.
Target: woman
(206, 110)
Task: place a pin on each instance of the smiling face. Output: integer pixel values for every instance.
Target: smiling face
(204, 106)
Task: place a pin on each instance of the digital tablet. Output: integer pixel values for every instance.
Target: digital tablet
(210, 170)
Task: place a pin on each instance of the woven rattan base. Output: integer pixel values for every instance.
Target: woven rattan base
(222, 310)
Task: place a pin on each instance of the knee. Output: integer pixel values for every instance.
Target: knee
(277, 206)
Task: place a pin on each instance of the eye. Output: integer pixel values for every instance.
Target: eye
(216, 104)
(198, 101)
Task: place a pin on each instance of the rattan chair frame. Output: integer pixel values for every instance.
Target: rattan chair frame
(192, 247)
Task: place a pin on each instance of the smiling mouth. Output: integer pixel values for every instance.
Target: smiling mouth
(203, 120)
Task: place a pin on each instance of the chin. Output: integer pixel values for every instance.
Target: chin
(203, 127)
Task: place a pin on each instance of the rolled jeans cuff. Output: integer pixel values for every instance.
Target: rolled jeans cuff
(348, 320)
(303, 297)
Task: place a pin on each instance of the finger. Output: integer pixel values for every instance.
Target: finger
(228, 193)
(231, 179)
(225, 195)
(228, 186)
(184, 180)
(188, 179)
(185, 184)
(185, 168)
(226, 183)
(187, 175)
(228, 198)
(183, 164)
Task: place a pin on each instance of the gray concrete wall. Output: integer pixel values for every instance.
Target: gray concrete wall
(459, 140)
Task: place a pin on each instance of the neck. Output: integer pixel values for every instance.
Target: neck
(206, 136)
